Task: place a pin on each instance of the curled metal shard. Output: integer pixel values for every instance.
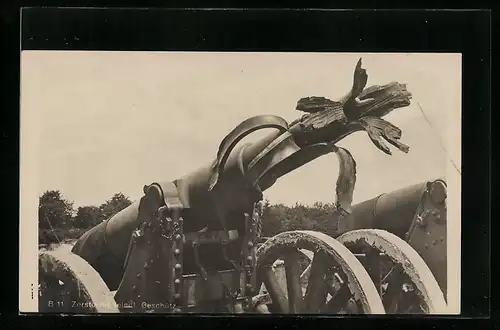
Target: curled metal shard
(377, 128)
(314, 104)
(346, 180)
(236, 135)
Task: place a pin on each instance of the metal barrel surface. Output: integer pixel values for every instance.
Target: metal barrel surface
(393, 212)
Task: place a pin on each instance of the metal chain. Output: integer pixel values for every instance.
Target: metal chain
(257, 218)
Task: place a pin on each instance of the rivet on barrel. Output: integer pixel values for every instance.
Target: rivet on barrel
(250, 244)
(177, 266)
(177, 281)
(178, 237)
(177, 252)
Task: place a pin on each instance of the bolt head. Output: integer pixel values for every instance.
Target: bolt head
(178, 237)
(420, 220)
(178, 266)
(407, 287)
(249, 258)
(177, 296)
(177, 281)
(177, 252)
(250, 244)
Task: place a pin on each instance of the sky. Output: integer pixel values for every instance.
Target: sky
(107, 122)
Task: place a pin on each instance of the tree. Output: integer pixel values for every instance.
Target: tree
(87, 216)
(54, 211)
(273, 218)
(114, 205)
(278, 218)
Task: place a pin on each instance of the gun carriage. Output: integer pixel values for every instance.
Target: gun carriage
(192, 245)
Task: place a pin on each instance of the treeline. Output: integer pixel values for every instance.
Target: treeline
(277, 218)
(59, 221)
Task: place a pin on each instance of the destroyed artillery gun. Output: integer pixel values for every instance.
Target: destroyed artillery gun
(190, 245)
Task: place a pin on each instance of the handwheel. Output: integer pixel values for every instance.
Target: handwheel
(68, 284)
(405, 282)
(337, 283)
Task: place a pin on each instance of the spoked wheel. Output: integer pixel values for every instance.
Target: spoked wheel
(337, 282)
(68, 284)
(403, 279)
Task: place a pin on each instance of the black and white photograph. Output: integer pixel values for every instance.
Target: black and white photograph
(240, 182)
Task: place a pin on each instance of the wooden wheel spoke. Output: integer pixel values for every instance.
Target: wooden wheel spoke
(316, 293)
(274, 289)
(373, 260)
(292, 270)
(325, 253)
(340, 296)
(392, 295)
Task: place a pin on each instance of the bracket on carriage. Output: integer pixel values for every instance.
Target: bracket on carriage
(197, 260)
(153, 269)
